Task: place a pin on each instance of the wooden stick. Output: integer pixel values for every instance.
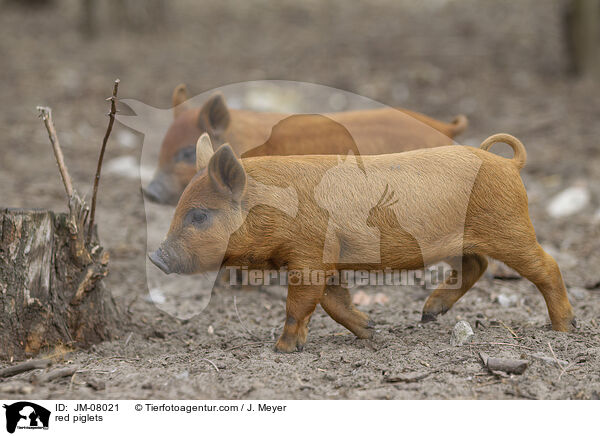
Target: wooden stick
(67, 371)
(547, 359)
(511, 331)
(24, 367)
(410, 377)
(212, 363)
(46, 115)
(556, 358)
(111, 121)
(248, 344)
(502, 343)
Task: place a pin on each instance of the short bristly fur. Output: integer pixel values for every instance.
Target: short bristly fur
(253, 133)
(459, 204)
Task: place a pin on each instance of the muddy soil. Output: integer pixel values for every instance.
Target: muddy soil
(503, 64)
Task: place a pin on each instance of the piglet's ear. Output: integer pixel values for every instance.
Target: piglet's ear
(204, 151)
(214, 115)
(179, 100)
(227, 173)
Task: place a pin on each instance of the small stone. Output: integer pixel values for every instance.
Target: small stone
(97, 385)
(361, 298)
(381, 299)
(569, 202)
(211, 330)
(461, 334)
(507, 300)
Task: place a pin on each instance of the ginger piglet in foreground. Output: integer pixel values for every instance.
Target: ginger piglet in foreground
(402, 211)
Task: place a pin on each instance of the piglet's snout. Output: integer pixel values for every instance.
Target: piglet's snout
(159, 191)
(161, 260)
(154, 192)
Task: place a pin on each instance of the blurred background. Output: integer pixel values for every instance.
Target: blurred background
(527, 67)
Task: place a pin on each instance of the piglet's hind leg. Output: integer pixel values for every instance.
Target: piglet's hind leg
(338, 304)
(540, 268)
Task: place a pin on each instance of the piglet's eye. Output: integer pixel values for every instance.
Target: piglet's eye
(197, 217)
(187, 154)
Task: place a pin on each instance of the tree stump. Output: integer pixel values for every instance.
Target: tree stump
(50, 294)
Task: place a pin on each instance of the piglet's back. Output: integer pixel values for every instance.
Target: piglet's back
(429, 191)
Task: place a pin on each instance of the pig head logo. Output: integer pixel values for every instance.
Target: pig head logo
(26, 415)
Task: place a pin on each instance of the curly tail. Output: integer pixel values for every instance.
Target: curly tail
(520, 154)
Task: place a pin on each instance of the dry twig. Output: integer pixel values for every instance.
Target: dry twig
(555, 358)
(77, 208)
(559, 362)
(111, 115)
(511, 331)
(212, 363)
(550, 360)
(128, 339)
(67, 371)
(46, 115)
(24, 367)
(502, 343)
(409, 377)
(248, 344)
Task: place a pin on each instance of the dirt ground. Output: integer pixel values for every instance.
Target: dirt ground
(503, 64)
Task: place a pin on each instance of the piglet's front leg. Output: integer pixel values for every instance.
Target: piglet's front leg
(302, 299)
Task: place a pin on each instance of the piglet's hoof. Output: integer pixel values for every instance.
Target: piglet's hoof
(428, 317)
(285, 346)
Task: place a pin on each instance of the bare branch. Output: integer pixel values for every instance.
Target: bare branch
(212, 363)
(46, 115)
(111, 115)
(248, 344)
(67, 371)
(24, 367)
